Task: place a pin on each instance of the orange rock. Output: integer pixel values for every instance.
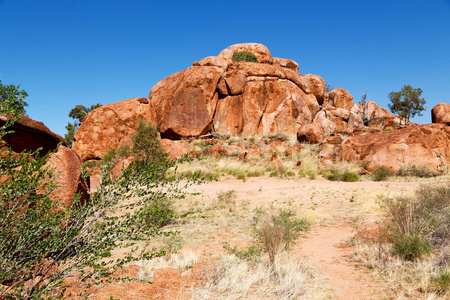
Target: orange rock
(316, 85)
(286, 63)
(174, 149)
(110, 126)
(67, 171)
(310, 133)
(441, 114)
(341, 98)
(229, 117)
(188, 109)
(293, 150)
(416, 145)
(213, 61)
(216, 151)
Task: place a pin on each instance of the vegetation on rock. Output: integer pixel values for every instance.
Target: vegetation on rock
(407, 102)
(244, 56)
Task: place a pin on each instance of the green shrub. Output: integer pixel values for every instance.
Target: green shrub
(411, 247)
(278, 231)
(440, 283)
(340, 172)
(244, 56)
(146, 145)
(417, 171)
(42, 244)
(381, 173)
(251, 254)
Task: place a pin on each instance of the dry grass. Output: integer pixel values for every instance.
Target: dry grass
(288, 278)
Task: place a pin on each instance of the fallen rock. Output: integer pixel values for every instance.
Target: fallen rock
(414, 145)
(310, 133)
(110, 126)
(174, 149)
(68, 178)
(441, 114)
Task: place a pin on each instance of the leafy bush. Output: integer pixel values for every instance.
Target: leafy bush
(40, 245)
(381, 173)
(341, 172)
(411, 247)
(244, 56)
(278, 231)
(146, 145)
(417, 171)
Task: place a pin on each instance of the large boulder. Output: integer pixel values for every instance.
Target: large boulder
(30, 135)
(341, 98)
(66, 165)
(261, 52)
(110, 126)
(441, 114)
(310, 133)
(414, 145)
(316, 85)
(186, 101)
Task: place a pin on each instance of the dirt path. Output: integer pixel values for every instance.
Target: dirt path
(325, 247)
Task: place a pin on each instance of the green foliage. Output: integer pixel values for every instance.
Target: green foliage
(251, 254)
(77, 113)
(337, 173)
(244, 56)
(275, 232)
(146, 145)
(13, 99)
(417, 171)
(40, 244)
(440, 283)
(115, 155)
(381, 173)
(420, 223)
(411, 247)
(407, 102)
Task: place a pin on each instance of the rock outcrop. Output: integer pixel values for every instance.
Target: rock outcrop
(110, 126)
(219, 95)
(414, 145)
(441, 114)
(30, 135)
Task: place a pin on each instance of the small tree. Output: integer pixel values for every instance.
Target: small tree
(407, 102)
(11, 97)
(77, 113)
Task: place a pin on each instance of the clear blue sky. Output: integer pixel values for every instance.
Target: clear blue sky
(65, 52)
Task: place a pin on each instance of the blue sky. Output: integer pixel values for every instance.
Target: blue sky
(65, 53)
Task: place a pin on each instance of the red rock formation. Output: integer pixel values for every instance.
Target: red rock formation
(441, 114)
(67, 176)
(110, 126)
(186, 101)
(30, 135)
(416, 145)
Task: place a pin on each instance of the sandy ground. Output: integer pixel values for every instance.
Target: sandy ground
(333, 209)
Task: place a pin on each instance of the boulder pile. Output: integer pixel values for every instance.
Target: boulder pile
(223, 96)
